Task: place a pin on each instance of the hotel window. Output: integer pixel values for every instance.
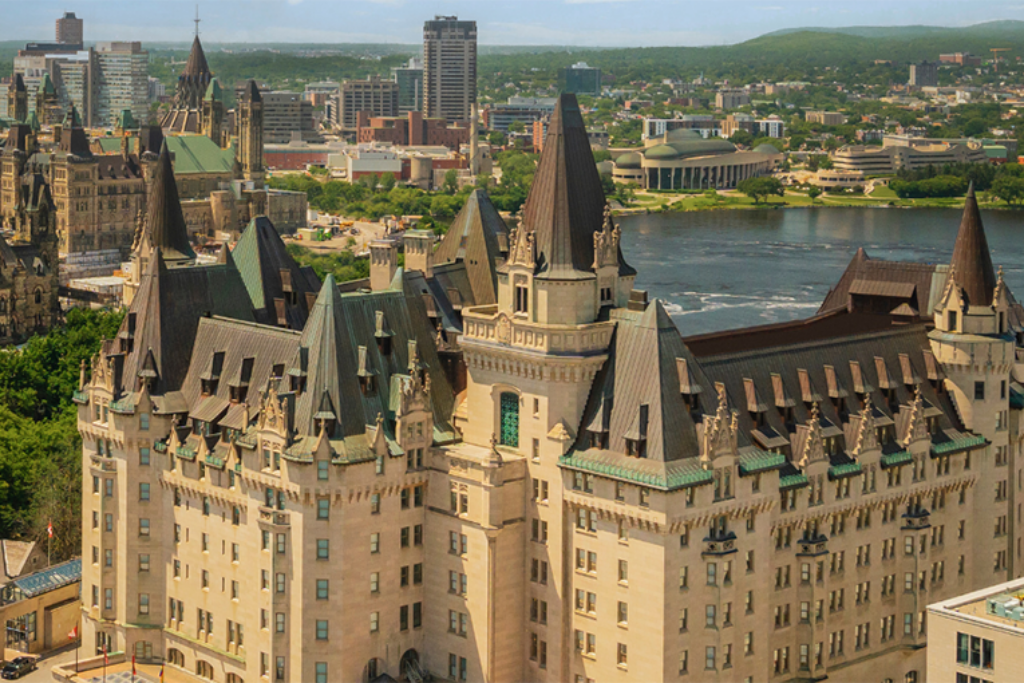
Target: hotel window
(374, 543)
(321, 629)
(321, 672)
(143, 526)
(322, 470)
(509, 419)
(374, 622)
(522, 295)
(143, 456)
(323, 508)
(322, 589)
(323, 549)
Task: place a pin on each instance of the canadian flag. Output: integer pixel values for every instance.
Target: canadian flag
(49, 529)
(73, 634)
(106, 659)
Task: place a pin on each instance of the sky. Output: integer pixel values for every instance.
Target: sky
(602, 23)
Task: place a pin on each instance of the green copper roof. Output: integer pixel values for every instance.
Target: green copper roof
(792, 481)
(126, 121)
(72, 119)
(957, 445)
(46, 85)
(661, 152)
(33, 121)
(848, 469)
(213, 92)
(1016, 400)
(629, 160)
(676, 475)
(760, 461)
(897, 458)
(192, 153)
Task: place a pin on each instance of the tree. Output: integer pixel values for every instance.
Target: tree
(451, 182)
(607, 184)
(387, 182)
(741, 137)
(369, 181)
(814, 192)
(497, 138)
(1009, 188)
(517, 127)
(444, 207)
(761, 188)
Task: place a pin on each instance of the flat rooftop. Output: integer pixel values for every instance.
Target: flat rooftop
(1000, 606)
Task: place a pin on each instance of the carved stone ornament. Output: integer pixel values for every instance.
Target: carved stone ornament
(503, 329)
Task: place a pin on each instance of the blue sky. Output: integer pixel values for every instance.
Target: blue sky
(501, 22)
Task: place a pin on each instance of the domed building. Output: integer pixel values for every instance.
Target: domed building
(683, 159)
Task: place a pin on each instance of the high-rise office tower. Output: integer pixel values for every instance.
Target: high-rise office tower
(410, 85)
(449, 68)
(69, 29)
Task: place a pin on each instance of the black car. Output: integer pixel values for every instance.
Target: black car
(18, 668)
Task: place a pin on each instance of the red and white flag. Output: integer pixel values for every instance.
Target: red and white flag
(49, 529)
(133, 665)
(73, 634)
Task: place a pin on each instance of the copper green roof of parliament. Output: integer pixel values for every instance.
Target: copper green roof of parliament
(214, 92)
(193, 154)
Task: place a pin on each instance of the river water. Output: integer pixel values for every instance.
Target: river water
(717, 270)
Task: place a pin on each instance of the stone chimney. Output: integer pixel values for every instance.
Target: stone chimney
(419, 251)
(383, 264)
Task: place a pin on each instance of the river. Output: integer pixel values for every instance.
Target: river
(717, 270)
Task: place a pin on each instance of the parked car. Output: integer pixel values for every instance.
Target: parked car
(18, 667)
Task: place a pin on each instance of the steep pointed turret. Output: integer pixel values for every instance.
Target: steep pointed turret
(277, 285)
(971, 266)
(193, 82)
(196, 66)
(17, 99)
(165, 223)
(249, 122)
(566, 203)
(479, 238)
(648, 416)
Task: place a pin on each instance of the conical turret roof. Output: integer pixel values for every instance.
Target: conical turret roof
(479, 238)
(196, 66)
(19, 83)
(214, 92)
(566, 202)
(972, 263)
(165, 220)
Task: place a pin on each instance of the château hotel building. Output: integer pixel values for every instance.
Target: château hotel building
(503, 463)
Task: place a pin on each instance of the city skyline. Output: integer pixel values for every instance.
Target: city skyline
(568, 22)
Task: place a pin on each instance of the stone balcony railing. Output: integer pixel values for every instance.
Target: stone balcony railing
(486, 324)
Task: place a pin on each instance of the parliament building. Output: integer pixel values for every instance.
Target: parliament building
(502, 462)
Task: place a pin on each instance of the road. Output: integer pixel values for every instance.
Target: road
(42, 674)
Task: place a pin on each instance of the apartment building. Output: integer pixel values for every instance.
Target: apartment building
(449, 68)
(825, 118)
(503, 463)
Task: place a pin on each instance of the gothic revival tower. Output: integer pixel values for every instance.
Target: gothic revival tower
(213, 113)
(531, 361)
(17, 100)
(973, 343)
(250, 134)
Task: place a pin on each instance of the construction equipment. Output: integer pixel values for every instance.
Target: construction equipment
(995, 56)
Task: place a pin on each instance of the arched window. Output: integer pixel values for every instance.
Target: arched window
(509, 420)
(204, 670)
(39, 296)
(176, 657)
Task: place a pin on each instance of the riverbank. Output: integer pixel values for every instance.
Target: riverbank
(883, 197)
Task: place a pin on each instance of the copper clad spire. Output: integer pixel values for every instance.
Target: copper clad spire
(972, 263)
(566, 203)
(166, 223)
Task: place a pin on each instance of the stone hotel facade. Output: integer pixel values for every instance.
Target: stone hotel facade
(503, 463)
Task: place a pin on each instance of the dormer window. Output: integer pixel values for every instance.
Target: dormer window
(951, 320)
(606, 296)
(636, 437)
